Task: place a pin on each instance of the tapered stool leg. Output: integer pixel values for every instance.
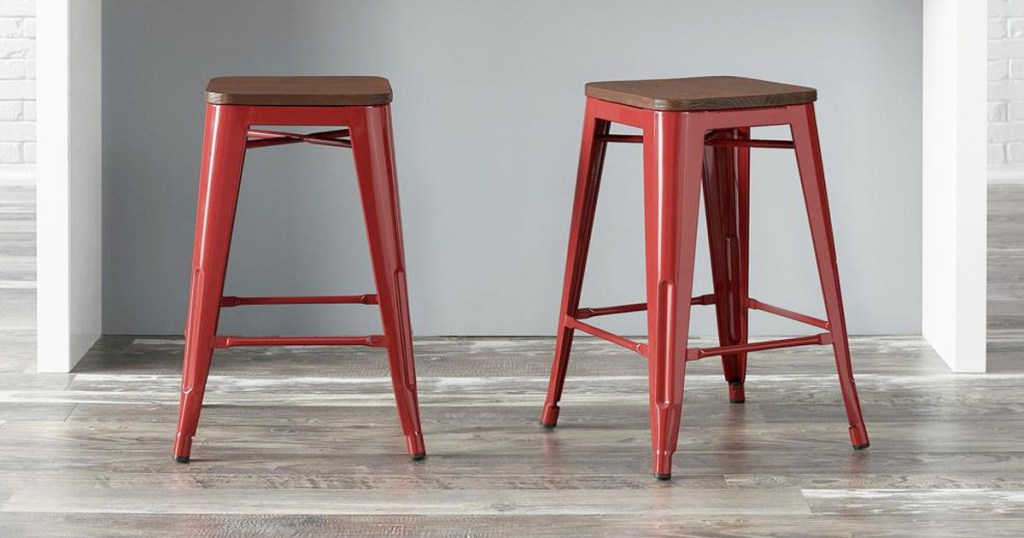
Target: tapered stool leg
(812, 179)
(373, 150)
(727, 206)
(223, 154)
(673, 153)
(588, 183)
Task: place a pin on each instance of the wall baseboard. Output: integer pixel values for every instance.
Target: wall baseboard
(17, 179)
(1006, 176)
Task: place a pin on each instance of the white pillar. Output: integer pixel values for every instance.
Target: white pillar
(69, 182)
(954, 187)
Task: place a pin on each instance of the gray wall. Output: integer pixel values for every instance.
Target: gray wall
(488, 106)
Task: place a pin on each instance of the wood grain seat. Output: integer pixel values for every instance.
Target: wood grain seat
(299, 91)
(700, 93)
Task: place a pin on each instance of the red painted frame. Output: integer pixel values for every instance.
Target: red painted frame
(228, 135)
(683, 153)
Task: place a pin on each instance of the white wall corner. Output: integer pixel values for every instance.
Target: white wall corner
(69, 182)
(954, 189)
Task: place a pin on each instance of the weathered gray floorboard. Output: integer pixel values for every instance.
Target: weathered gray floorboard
(654, 503)
(458, 526)
(305, 442)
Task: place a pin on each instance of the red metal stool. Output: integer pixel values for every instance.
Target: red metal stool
(361, 105)
(697, 131)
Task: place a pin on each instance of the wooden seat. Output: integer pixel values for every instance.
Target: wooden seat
(299, 91)
(700, 93)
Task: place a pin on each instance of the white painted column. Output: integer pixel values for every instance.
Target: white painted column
(955, 168)
(69, 182)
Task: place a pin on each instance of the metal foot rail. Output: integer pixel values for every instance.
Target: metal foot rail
(636, 347)
(366, 298)
(703, 353)
(222, 342)
(700, 353)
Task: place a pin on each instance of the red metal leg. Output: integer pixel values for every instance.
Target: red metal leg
(812, 178)
(588, 183)
(223, 154)
(727, 206)
(373, 150)
(673, 157)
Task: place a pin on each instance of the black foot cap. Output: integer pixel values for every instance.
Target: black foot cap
(418, 457)
(662, 476)
(548, 426)
(736, 393)
(181, 459)
(861, 447)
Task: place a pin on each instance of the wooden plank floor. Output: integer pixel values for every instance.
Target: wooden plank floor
(305, 442)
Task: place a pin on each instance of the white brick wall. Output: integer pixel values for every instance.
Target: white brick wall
(1006, 89)
(17, 88)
